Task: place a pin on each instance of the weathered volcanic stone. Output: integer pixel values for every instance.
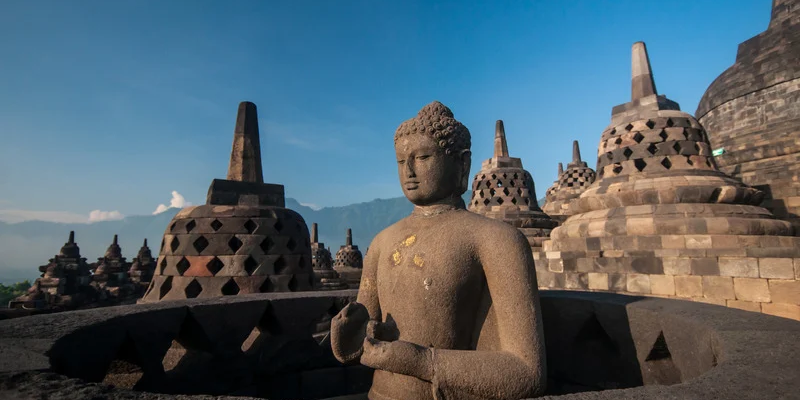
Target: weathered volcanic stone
(504, 190)
(110, 275)
(570, 184)
(349, 262)
(142, 268)
(661, 207)
(325, 277)
(243, 240)
(65, 282)
(752, 113)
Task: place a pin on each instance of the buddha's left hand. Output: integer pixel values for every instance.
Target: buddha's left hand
(398, 357)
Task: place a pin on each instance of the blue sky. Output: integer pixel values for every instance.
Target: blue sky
(112, 105)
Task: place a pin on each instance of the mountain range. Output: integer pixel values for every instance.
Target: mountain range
(26, 245)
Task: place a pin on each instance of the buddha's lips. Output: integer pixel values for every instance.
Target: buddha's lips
(411, 185)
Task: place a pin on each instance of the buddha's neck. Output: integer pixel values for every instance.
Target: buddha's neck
(439, 207)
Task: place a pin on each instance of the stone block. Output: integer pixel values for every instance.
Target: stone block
(791, 311)
(555, 266)
(776, 268)
(705, 266)
(738, 266)
(744, 305)
(707, 300)
(617, 282)
(751, 289)
(576, 281)
(689, 286)
(598, 281)
(673, 242)
(638, 283)
(698, 242)
(677, 266)
(724, 241)
(718, 287)
(785, 291)
(662, 285)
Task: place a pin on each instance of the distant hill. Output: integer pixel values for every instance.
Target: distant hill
(26, 245)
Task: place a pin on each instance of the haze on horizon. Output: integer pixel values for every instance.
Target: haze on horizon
(123, 108)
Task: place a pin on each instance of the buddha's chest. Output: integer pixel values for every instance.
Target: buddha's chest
(428, 268)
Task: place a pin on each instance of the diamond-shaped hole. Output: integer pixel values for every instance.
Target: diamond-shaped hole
(486, 202)
(216, 225)
(280, 265)
(613, 131)
(506, 192)
(278, 225)
(173, 245)
(235, 244)
(266, 245)
(670, 123)
(215, 265)
(200, 244)
(190, 226)
(172, 227)
(165, 287)
(627, 152)
(267, 286)
(650, 124)
(629, 127)
(677, 147)
(230, 288)
(193, 289)
(291, 244)
(500, 200)
(617, 168)
(664, 135)
(250, 226)
(618, 141)
(163, 265)
(653, 149)
(666, 163)
(639, 164)
(250, 265)
(514, 200)
(183, 265)
(638, 137)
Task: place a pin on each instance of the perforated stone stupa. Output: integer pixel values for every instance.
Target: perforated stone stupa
(571, 183)
(662, 219)
(243, 240)
(552, 189)
(64, 284)
(110, 274)
(349, 262)
(325, 277)
(504, 190)
(142, 268)
(752, 113)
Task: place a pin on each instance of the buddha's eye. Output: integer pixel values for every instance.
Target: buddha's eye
(423, 157)
(401, 162)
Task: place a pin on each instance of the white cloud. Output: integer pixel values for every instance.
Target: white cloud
(97, 216)
(311, 206)
(177, 201)
(13, 216)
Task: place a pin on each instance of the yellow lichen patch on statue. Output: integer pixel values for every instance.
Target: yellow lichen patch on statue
(418, 260)
(397, 257)
(410, 240)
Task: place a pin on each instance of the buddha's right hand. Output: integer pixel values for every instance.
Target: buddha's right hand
(348, 330)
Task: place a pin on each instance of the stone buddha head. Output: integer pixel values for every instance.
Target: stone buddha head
(433, 156)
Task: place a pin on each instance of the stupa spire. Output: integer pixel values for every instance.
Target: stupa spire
(642, 82)
(145, 243)
(500, 144)
(71, 239)
(115, 240)
(245, 163)
(314, 233)
(576, 152)
(560, 168)
(349, 240)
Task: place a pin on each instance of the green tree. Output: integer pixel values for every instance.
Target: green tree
(8, 293)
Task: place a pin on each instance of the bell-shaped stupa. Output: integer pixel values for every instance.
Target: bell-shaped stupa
(752, 113)
(243, 240)
(661, 218)
(571, 183)
(349, 262)
(325, 277)
(504, 190)
(142, 268)
(110, 274)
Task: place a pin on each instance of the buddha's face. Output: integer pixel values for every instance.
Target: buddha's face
(427, 174)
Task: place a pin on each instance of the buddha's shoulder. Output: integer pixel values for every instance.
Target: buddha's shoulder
(479, 223)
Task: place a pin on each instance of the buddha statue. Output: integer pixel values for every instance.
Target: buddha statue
(448, 306)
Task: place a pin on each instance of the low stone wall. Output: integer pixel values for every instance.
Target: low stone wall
(762, 274)
(604, 345)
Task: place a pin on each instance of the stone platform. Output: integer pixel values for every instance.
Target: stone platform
(600, 345)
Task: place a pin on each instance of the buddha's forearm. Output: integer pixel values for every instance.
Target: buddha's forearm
(488, 374)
